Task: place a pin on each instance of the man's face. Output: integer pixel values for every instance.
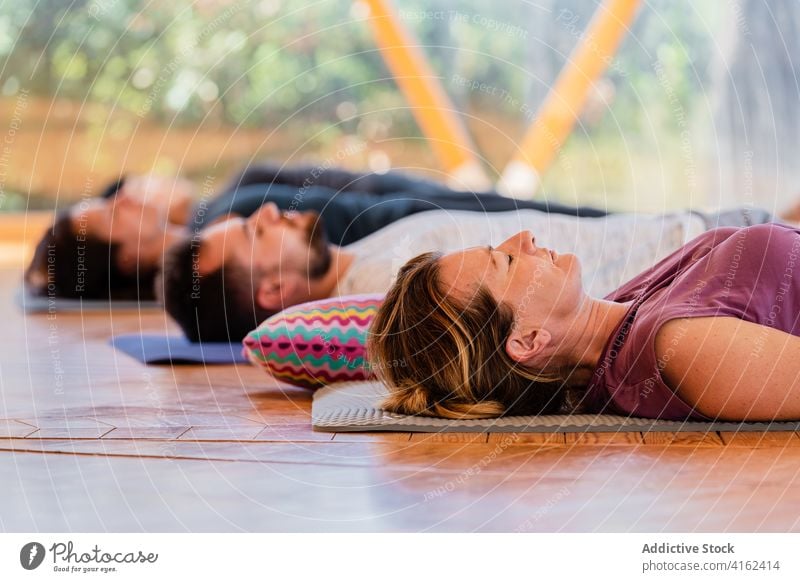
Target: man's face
(269, 244)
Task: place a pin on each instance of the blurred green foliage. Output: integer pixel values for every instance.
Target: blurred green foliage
(313, 67)
(265, 61)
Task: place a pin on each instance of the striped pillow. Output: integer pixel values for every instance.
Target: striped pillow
(316, 343)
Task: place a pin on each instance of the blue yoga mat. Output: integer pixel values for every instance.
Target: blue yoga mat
(35, 304)
(176, 350)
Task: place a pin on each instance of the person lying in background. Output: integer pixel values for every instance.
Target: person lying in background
(111, 246)
(711, 332)
(224, 283)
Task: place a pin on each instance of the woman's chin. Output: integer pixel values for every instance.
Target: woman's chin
(571, 264)
(566, 260)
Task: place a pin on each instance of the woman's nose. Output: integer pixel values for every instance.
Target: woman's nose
(523, 242)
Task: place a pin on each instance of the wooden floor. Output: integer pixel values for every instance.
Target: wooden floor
(90, 440)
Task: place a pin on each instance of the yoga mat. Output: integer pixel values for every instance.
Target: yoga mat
(353, 407)
(160, 350)
(36, 304)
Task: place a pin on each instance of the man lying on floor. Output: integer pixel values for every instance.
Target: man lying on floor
(111, 246)
(224, 282)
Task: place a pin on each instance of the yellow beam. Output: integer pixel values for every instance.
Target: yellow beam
(434, 112)
(562, 106)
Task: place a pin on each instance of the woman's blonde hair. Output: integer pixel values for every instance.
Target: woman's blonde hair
(439, 358)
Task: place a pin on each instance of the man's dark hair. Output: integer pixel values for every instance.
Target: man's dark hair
(77, 265)
(215, 307)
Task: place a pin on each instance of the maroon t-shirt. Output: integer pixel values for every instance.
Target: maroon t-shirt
(750, 273)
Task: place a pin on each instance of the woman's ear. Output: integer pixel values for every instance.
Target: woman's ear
(523, 348)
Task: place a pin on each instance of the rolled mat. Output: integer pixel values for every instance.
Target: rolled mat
(37, 304)
(354, 407)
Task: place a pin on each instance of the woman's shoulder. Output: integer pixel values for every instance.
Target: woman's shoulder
(773, 235)
(718, 248)
(757, 249)
(761, 234)
(671, 266)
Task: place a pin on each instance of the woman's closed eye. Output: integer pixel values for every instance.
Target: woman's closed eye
(495, 262)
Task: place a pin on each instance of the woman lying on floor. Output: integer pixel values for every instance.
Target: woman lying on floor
(710, 332)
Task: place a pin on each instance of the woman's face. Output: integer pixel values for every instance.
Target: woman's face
(127, 221)
(542, 287)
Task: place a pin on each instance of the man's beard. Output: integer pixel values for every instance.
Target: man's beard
(319, 253)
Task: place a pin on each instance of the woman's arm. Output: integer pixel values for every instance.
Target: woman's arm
(731, 369)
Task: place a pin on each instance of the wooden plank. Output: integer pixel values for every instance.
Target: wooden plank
(211, 419)
(70, 433)
(15, 429)
(603, 438)
(377, 436)
(451, 438)
(683, 438)
(546, 490)
(325, 453)
(527, 438)
(221, 433)
(558, 113)
(297, 432)
(429, 102)
(64, 422)
(785, 438)
(63, 427)
(146, 432)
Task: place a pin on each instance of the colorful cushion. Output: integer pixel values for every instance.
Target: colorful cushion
(316, 343)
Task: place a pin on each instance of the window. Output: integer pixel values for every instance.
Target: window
(95, 89)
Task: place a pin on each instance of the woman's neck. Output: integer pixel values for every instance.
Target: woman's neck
(594, 325)
(153, 252)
